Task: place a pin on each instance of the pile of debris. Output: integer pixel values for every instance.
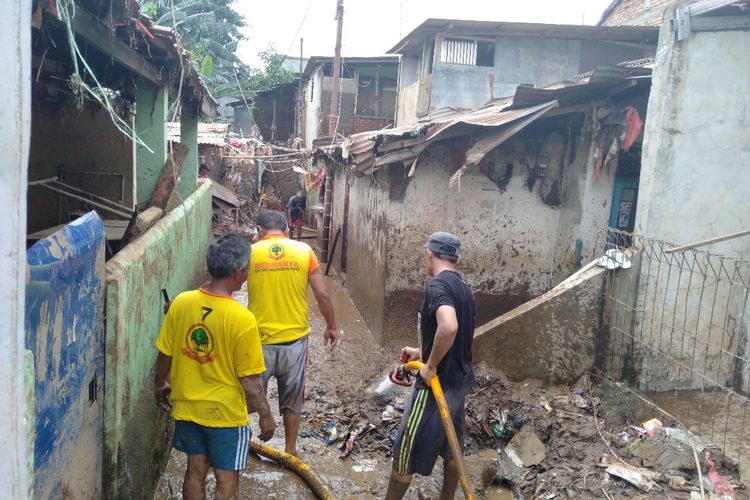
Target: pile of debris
(548, 442)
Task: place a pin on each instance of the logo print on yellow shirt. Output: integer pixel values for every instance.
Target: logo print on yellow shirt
(276, 252)
(199, 344)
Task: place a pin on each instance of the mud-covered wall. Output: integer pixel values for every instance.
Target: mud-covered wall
(552, 338)
(170, 255)
(368, 247)
(75, 140)
(65, 332)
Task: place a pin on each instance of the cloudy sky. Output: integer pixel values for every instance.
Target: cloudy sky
(371, 27)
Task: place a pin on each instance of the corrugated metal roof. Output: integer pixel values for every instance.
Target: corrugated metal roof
(644, 34)
(214, 134)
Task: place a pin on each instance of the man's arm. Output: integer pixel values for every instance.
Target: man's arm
(318, 284)
(447, 327)
(162, 389)
(256, 401)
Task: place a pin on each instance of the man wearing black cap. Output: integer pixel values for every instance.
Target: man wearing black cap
(446, 324)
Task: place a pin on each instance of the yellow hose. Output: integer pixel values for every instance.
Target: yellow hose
(294, 464)
(450, 432)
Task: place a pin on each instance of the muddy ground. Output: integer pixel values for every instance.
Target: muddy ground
(553, 427)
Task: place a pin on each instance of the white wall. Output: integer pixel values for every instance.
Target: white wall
(694, 186)
(694, 173)
(15, 53)
(313, 114)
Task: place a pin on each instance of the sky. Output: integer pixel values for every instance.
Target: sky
(371, 27)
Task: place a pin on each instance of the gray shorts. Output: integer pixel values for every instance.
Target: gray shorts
(287, 362)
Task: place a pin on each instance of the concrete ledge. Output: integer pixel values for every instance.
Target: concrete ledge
(551, 337)
(170, 255)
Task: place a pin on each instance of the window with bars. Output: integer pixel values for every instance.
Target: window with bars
(468, 52)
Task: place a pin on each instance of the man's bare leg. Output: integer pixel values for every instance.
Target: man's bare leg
(227, 484)
(291, 429)
(397, 486)
(194, 487)
(450, 480)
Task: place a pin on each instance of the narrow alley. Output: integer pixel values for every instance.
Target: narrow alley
(546, 200)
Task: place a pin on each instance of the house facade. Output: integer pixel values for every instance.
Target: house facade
(450, 66)
(367, 95)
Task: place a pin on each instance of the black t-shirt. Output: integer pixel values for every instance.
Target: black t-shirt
(297, 204)
(449, 288)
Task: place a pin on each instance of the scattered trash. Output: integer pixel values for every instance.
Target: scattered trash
(721, 485)
(579, 391)
(330, 433)
(624, 436)
(614, 259)
(526, 447)
(548, 408)
(390, 414)
(664, 452)
(685, 437)
(351, 437)
(366, 465)
(651, 425)
(632, 475)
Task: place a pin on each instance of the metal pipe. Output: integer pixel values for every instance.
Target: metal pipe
(450, 431)
(101, 199)
(112, 174)
(90, 202)
(296, 465)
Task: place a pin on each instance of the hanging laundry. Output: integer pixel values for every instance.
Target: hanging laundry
(633, 127)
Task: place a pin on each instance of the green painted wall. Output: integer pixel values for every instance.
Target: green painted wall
(189, 137)
(151, 127)
(170, 255)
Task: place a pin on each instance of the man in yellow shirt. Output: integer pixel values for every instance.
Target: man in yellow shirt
(280, 270)
(209, 346)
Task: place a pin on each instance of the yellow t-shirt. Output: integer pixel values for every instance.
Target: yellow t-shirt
(213, 340)
(277, 287)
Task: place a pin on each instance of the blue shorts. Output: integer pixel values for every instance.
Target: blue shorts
(226, 447)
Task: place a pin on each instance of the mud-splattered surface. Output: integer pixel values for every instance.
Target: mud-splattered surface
(341, 387)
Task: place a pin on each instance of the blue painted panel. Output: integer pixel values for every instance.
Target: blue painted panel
(65, 332)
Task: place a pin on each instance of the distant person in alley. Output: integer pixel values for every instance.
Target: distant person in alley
(280, 271)
(295, 214)
(209, 346)
(446, 323)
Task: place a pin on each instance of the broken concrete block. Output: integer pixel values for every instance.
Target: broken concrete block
(146, 219)
(526, 448)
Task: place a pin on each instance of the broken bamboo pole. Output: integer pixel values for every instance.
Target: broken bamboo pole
(709, 241)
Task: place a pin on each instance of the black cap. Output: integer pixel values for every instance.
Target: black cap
(443, 243)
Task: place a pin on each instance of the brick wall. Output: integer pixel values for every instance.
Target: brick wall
(637, 13)
(367, 123)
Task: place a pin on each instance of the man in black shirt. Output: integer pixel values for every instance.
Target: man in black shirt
(295, 214)
(446, 332)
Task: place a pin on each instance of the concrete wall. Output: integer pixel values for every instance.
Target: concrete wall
(64, 137)
(15, 115)
(171, 255)
(314, 114)
(516, 244)
(551, 338)
(65, 332)
(151, 127)
(696, 150)
(368, 246)
(636, 13)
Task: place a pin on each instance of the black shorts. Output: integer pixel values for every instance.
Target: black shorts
(421, 435)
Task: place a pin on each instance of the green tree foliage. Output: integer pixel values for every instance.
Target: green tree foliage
(270, 75)
(210, 30)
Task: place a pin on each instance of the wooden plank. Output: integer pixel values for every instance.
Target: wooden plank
(98, 35)
(718, 239)
(166, 183)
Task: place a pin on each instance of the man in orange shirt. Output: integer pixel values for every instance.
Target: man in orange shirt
(209, 345)
(280, 271)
